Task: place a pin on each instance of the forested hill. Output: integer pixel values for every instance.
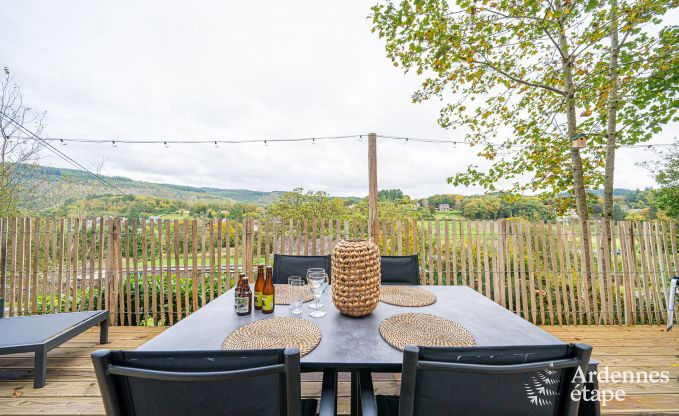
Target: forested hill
(81, 182)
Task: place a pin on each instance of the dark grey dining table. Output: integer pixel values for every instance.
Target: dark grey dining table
(351, 344)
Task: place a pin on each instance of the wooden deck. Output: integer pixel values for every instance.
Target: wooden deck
(72, 388)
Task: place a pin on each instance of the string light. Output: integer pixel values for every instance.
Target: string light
(314, 140)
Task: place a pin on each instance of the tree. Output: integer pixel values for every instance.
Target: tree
(618, 212)
(133, 216)
(626, 86)
(524, 64)
(482, 208)
(518, 60)
(20, 186)
(529, 65)
(667, 176)
(390, 194)
(299, 204)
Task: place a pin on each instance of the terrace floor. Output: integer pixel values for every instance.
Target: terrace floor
(72, 388)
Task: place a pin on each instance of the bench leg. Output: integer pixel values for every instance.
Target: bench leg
(103, 332)
(40, 368)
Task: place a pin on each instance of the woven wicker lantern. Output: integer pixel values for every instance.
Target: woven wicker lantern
(356, 277)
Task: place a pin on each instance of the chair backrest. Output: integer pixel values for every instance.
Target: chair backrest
(514, 380)
(285, 266)
(400, 270)
(262, 382)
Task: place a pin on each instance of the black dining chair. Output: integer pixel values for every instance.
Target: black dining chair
(285, 266)
(258, 382)
(400, 270)
(515, 380)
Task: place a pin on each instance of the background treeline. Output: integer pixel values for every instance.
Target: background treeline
(392, 204)
(76, 194)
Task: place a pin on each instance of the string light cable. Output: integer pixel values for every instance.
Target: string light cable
(61, 154)
(406, 139)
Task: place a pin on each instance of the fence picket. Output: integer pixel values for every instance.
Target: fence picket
(4, 222)
(45, 270)
(195, 282)
(154, 290)
(34, 267)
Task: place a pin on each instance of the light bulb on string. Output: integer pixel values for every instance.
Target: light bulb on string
(63, 143)
(113, 143)
(216, 144)
(166, 145)
(313, 141)
(266, 144)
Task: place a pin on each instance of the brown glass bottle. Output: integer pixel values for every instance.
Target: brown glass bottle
(268, 294)
(259, 285)
(243, 296)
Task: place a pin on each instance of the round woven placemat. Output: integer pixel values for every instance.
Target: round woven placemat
(425, 330)
(282, 332)
(282, 294)
(406, 295)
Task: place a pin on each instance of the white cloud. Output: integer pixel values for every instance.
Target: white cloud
(197, 70)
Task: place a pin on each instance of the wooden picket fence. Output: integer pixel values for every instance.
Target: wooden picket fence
(157, 272)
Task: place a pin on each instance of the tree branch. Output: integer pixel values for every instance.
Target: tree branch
(519, 80)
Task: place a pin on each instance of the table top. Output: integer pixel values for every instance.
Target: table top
(348, 343)
(36, 329)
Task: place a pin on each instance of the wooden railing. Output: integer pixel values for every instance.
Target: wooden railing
(159, 271)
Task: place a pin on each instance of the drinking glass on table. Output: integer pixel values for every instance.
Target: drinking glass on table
(308, 272)
(296, 287)
(317, 282)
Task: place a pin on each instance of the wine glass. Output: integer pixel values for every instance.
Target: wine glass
(317, 282)
(308, 272)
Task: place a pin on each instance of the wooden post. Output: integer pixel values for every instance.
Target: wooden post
(373, 229)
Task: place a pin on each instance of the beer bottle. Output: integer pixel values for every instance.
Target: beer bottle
(243, 296)
(268, 293)
(259, 285)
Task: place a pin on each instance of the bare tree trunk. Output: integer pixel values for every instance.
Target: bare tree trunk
(576, 160)
(611, 135)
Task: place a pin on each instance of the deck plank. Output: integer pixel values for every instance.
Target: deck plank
(72, 388)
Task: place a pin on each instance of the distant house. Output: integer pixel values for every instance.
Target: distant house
(155, 217)
(444, 207)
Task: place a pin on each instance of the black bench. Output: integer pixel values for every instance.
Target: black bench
(41, 333)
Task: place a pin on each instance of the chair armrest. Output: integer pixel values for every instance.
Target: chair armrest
(368, 400)
(328, 406)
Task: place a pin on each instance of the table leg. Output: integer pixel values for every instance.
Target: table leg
(355, 394)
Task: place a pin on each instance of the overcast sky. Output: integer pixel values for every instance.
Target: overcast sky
(233, 70)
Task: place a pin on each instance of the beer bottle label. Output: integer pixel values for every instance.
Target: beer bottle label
(267, 302)
(258, 299)
(242, 304)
